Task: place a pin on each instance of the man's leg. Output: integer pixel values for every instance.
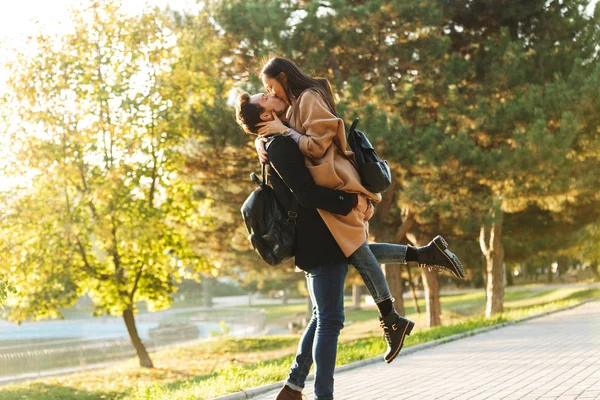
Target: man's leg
(304, 358)
(327, 283)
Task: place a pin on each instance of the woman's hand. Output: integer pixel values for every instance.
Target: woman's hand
(259, 143)
(370, 210)
(365, 207)
(271, 127)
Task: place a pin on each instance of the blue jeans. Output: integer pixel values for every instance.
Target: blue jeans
(366, 260)
(320, 338)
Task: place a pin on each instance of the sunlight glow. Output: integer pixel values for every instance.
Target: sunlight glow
(20, 20)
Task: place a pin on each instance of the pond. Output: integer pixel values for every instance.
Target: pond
(39, 348)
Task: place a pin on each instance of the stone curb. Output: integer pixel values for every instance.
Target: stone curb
(250, 393)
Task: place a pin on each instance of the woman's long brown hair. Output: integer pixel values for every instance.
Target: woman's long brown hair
(298, 81)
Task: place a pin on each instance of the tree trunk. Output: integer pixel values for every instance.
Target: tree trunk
(491, 246)
(408, 220)
(431, 281)
(509, 276)
(413, 290)
(356, 296)
(595, 271)
(431, 284)
(392, 275)
(140, 349)
(284, 298)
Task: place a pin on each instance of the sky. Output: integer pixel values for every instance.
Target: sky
(16, 15)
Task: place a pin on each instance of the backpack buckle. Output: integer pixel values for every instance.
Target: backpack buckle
(292, 217)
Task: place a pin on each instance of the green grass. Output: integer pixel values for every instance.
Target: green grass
(275, 312)
(216, 368)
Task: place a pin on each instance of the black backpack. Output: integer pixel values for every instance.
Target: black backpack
(375, 174)
(271, 229)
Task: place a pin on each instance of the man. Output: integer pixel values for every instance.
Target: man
(316, 251)
(315, 246)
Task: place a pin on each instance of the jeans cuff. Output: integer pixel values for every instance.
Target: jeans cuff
(294, 386)
(384, 298)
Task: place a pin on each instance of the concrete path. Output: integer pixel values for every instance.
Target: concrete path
(553, 357)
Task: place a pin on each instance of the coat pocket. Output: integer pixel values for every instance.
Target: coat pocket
(325, 175)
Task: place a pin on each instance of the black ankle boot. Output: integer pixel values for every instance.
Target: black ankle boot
(395, 329)
(436, 254)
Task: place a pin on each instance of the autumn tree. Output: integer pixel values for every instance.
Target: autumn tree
(105, 211)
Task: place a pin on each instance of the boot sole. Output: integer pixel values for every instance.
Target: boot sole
(457, 268)
(407, 330)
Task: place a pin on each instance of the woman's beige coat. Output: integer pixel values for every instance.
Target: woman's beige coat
(322, 139)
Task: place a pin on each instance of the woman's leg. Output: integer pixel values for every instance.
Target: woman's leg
(367, 265)
(387, 253)
(395, 327)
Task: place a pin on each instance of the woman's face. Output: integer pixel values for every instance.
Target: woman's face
(274, 86)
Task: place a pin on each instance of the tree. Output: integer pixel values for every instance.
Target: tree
(218, 155)
(590, 246)
(482, 108)
(106, 211)
(513, 115)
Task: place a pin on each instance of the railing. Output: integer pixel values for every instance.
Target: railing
(37, 357)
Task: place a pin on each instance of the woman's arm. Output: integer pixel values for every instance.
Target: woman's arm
(259, 144)
(320, 125)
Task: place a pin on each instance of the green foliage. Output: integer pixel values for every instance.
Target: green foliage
(223, 330)
(106, 211)
(218, 156)
(470, 102)
(5, 290)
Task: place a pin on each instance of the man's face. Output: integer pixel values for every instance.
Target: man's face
(270, 103)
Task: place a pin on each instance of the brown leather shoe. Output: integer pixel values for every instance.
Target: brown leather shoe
(287, 393)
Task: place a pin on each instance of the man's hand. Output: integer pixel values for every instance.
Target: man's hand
(259, 143)
(271, 127)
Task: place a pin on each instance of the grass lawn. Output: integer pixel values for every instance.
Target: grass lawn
(210, 369)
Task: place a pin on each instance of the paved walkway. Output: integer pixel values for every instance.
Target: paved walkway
(553, 357)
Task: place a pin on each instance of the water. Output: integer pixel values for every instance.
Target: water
(37, 348)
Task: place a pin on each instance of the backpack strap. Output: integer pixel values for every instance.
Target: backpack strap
(293, 211)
